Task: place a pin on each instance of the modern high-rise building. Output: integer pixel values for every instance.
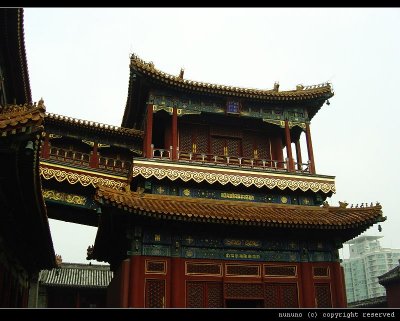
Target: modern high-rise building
(367, 261)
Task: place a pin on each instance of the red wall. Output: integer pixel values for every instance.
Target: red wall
(393, 295)
(163, 282)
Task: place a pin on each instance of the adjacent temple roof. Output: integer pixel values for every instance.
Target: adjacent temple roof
(239, 212)
(77, 275)
(301, 92)
(21, 118)
(23, 212)
(391, 276)
(12, 46)
(99, 127)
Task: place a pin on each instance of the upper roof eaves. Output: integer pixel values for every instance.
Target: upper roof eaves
(301, 92)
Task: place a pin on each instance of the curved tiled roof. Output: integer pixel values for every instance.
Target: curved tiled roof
(77, 275)
(239, 212)
(15, 118)
(301, 92)
(94, 125)
(22, 56)
(391, 276)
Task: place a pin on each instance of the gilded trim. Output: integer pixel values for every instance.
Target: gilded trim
(236, 178)
(72, 177)
(64, 197)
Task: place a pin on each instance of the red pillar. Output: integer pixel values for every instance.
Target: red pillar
(310, 149)
(338, 283)
(136, 282)
(307, 285)
(298, 156)
(46, 146)
(177, 288)
(94, 157)
(277, 150)
(149, 131)
(289, 147)
(125, 283)
(174, 133)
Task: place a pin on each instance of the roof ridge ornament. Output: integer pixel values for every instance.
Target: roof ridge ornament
(181, 73)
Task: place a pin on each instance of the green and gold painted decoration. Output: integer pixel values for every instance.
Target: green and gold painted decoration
(67, 198)
(205, 246)
(233, 196)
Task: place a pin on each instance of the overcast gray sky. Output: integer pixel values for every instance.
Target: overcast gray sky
(78, 61)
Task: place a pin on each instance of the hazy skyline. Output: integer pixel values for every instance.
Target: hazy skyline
(78, 61)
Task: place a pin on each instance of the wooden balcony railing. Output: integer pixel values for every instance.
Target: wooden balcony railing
(69, 156)
(233, 161)
(113, 164)
(83, 159)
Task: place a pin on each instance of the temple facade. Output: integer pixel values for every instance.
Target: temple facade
(221, 207)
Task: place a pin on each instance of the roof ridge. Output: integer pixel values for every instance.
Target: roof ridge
(93, 123)
(149, 66)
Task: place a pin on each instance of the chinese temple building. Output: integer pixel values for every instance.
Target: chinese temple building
(25, 242)
(221, 207)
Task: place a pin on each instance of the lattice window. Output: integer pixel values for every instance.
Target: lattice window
(272, 296)
(283, 295)
(195, 295)
(185, 139)
(155, 293)
(244, 290)
(278, 271)
(289, 296)
(321, 271)
(201, 139)
(156, 267)
(262, 150)
(233, 147)
(323, 296)
(204, 268)
(218, 146)
(242, 270)
(226, 132)
(248, 145)
(214, 295)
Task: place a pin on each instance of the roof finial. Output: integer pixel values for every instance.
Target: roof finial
(276, 86)
(181, 73)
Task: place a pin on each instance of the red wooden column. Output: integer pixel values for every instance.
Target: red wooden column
(338, 282)
(177, 285)
(307, 285)
(125, 270)
(298, 156)
(310, 149)
(46, 146)
(149, 131)
(289, 147)
(94, 157)
(174, 133)
(137, 282)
